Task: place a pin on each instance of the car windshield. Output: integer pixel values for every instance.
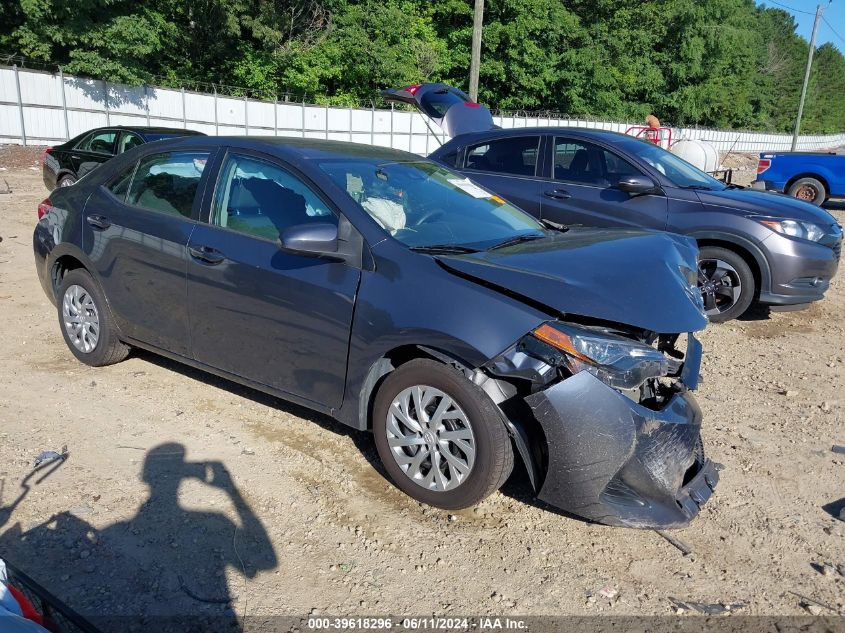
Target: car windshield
(679, 171)
(422, 204)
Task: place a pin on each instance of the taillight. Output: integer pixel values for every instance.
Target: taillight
(763, 165)
(46, 153)
(472, 104)
(44, 207)
(413, 89)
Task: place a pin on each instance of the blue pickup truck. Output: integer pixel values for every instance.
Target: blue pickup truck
(813, 177)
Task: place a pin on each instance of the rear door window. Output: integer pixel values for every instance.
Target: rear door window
(168, 182)
(98, 142)
(587, 163)
(516, 156)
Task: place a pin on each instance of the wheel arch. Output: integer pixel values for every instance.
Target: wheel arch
(528, 440)
(64, 171)
(62, 266)
(750, 253)
(392, 360)
(815, 175)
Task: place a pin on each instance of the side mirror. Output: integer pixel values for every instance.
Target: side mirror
(317, 238)
(637, 185)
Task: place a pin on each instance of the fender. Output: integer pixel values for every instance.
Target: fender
(69, 249)
(748, 245)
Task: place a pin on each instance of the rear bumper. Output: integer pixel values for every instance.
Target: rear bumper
(629, 465)
(42, 245)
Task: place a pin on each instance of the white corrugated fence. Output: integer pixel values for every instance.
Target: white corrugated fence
(43, 108)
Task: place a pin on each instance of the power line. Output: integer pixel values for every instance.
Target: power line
(842, 39)
(791, 8)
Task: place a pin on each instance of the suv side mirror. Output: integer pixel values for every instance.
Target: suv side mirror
(637, 185)
(316, 239)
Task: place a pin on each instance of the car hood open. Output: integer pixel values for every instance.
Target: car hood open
(632, 277)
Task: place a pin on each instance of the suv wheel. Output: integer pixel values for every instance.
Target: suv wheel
(808, 190)
(86, 322)
(440, 437)
(726, 283)
(66, 181)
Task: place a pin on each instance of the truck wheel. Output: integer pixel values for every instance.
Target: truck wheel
(726, 283)
(440, 437)
(808, 190)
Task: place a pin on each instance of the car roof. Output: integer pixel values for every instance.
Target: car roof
(292, 147)
(585, 132)
(141, 129)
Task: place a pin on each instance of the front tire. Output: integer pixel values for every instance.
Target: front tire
(440, 437)
(726, 283)
(86, 322)
(808, 190)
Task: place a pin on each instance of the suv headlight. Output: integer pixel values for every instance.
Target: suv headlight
(618, 362)
(795, 228)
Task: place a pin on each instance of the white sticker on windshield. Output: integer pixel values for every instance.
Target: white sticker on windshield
(468, 187)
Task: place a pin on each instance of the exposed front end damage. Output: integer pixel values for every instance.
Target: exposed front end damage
(627, 455)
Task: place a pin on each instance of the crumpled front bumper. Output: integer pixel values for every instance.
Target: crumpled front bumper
(618, 462)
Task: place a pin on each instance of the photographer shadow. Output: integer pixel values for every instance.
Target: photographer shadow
(165, 568)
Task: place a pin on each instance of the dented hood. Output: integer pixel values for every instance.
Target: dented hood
(632, 277)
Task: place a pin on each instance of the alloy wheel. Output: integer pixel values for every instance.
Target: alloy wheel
(81, 319)
(430, 438)
(720, 285)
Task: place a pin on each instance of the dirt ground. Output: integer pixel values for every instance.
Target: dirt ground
(143, 517)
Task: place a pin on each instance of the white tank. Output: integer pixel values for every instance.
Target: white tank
(699, 153)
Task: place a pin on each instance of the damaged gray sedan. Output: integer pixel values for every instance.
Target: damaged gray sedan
(396, 296)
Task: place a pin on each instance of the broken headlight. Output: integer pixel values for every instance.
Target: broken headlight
(617, 361)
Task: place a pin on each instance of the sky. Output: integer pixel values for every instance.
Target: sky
(833, 30)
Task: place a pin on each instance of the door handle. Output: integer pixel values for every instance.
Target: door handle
(557, 194)
(206, 254)
(98, 221)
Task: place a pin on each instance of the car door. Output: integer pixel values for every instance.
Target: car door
(509, 167)
(136, 232)
(92, 151)
(269, 315)
(580, 188)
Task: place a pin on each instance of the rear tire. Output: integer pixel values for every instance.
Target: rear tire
(808, 190)
(472, 417)
(85, 321)
(66, 181)
(726, 296)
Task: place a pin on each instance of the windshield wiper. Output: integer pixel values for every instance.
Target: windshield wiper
(516, 240)
(555, 226)
(448, 249)
(697, 187)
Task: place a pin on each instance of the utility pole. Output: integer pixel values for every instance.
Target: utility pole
(819, 10)
(475, 60)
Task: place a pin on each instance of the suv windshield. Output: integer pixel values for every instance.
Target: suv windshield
(679, 171)
(424, 205)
